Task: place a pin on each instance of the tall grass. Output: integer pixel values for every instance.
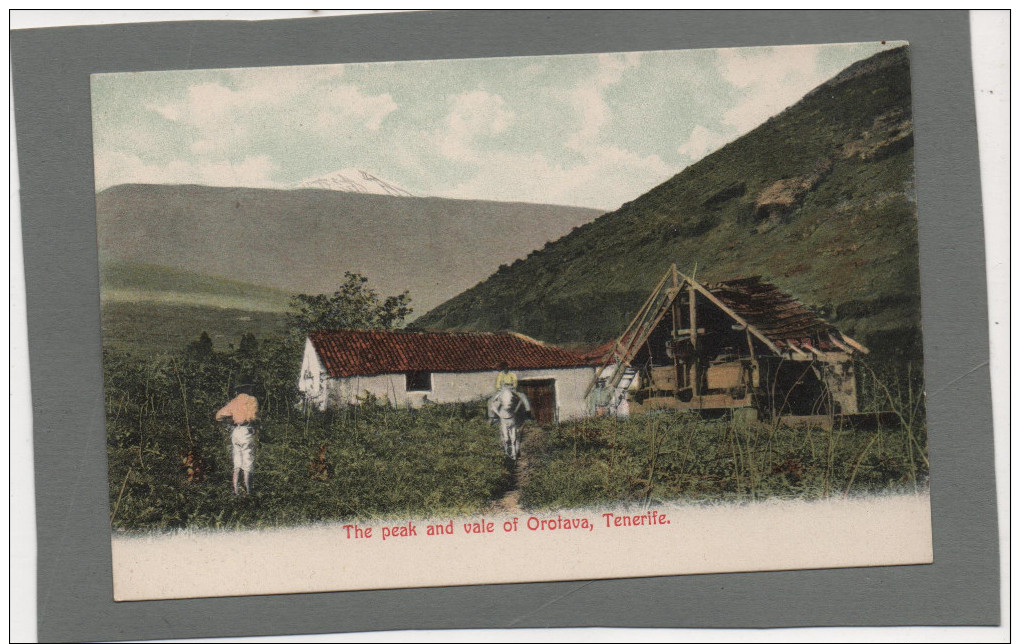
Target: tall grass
(384, 462)
(682, 456)
(170, 465)
(883, 387)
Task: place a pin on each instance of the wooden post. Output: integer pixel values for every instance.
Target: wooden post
(693, 314)
(675, 308)
(675, 314)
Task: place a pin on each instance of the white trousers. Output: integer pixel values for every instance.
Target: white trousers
(242, 441)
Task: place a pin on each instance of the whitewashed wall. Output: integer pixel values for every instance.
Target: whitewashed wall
(322, 391)
(312, 377)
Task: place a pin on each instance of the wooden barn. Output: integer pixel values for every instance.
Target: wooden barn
(741, 346)
(411, 368)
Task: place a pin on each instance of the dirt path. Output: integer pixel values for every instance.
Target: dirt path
(510, 501)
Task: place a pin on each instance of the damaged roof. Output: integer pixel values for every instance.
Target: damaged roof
(354, 352)
(778, 316)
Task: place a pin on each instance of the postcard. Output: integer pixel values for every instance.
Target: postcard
(499, 320)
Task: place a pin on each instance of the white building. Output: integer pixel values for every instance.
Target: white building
(409, 368)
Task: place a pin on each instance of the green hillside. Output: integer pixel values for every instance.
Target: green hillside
(148, 309)
(138, 282)
(818, 200)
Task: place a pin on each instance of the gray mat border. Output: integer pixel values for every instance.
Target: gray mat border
(50, 69)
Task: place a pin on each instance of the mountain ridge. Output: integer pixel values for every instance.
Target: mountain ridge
(304, 240)
(354, 180)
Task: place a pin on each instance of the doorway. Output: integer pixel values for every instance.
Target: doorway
(542, 395)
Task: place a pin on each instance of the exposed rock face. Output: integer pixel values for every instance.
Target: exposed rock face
(891, 133)
(784, 196)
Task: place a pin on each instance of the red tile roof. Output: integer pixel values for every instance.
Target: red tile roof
(355, 352)
(595, 354)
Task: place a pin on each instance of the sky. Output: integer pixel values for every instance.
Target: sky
(593, 130)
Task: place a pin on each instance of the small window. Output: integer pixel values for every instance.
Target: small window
(419, 381)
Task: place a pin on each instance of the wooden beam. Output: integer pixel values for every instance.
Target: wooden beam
(622, 357)
(692, 304)
(814, 351)
(620, 350)
(642, 311)
(854, 343)
(795, 348)
(692, 311)
(682, 332)
(832, 338)
(712, 298)
(673, 307)
(658, 318)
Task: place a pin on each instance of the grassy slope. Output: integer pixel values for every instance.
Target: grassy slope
(133, 281)
(849, 248)
(148, 309)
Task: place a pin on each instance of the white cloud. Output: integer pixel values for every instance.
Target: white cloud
(288, 100)
(771, 79)
(114, 168)
(169, 111)
(701, 142)
(610, 176)
(346, 105)
(206, 106)
(280, 85)
(588, 101)
(473, 116)
(546, 132)
(209, 125)
(600, 175)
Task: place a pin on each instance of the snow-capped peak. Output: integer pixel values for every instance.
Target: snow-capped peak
(354, 180)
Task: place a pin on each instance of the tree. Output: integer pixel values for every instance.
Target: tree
(354, 305)
(201, 348)
(248, 346)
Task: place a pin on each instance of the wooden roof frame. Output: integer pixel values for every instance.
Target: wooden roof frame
(681, 281)
(843, 344)
(730, 312)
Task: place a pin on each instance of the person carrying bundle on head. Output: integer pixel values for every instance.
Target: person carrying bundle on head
(242, 412)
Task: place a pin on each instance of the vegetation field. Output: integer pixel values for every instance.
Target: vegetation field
(151, 327)
(674, 456)
(388, 462)
(170, 464)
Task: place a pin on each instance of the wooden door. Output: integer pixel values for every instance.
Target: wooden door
(542, 395)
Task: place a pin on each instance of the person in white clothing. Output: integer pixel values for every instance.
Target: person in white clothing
(242, 412)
